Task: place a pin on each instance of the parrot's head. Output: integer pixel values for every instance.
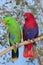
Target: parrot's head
(28, 16)
(7, 20)
(30, 20)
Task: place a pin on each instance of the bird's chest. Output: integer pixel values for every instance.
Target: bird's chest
(31, 33)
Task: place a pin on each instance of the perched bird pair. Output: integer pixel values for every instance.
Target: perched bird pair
(30, 31)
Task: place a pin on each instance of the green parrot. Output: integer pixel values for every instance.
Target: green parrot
(14, 34)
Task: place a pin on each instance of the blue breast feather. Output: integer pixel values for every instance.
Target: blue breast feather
(31, 33)
(12, 37)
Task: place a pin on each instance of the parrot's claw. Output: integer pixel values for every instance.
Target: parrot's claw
(28, 39)
(16, 45)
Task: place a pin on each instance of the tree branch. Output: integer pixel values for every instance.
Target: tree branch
(21, 44)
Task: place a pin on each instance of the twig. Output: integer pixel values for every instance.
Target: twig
(21, 44)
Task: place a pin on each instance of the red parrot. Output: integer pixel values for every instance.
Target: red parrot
(30, 31)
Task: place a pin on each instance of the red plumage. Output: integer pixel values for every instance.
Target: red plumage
(30, 31)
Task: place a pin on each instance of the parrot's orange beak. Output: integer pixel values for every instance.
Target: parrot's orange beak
(4, 22)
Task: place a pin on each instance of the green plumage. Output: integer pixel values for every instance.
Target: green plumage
(14, 30)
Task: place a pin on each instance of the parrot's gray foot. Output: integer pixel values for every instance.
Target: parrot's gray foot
(17, 45)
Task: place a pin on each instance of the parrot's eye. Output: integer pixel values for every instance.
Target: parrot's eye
(7, 20)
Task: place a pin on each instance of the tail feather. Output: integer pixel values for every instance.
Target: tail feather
(15, 55)
(29, 52)
(29, 46)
